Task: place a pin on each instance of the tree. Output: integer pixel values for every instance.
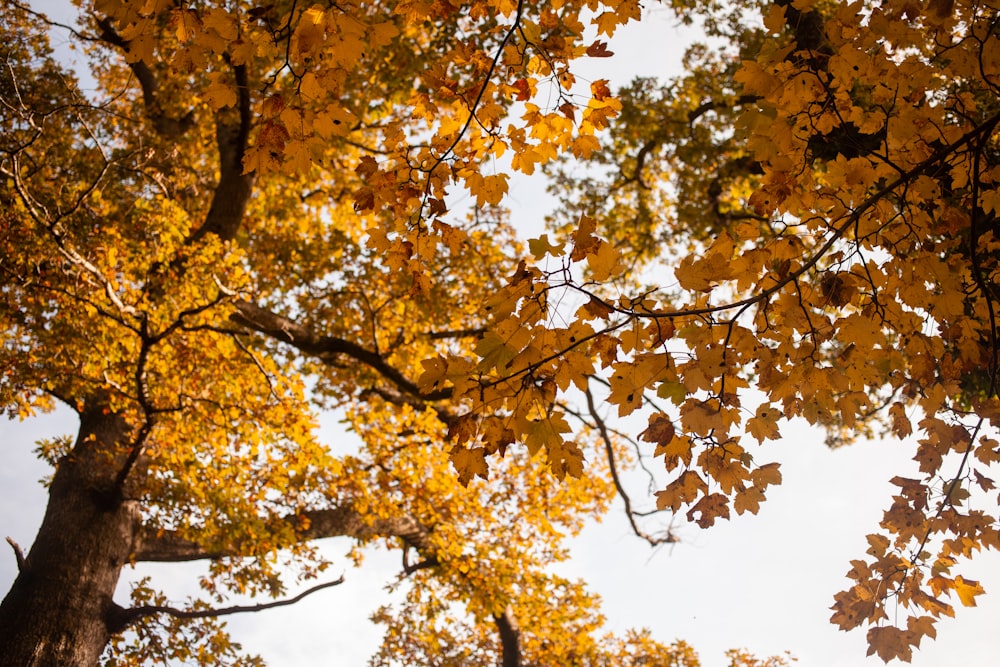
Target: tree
(233, 235)
(256, 219)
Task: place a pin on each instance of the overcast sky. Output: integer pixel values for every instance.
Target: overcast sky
(763, 582)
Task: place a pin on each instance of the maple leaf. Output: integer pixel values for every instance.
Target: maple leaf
(709, 508)
(541, 247)
(748, 500)
(677, 451)
(967, 590)
(585, 145)
(605, 261)
(596, 309)
(546, 433)
(523, 89)
(599, 49)
(766, 475)
(583, 238)
(889, 643)
(660, 430)
(683, 490)
(494, 351)
(220, 94)
(469, 463)
(764, 425)
(599, 89)
(701, 417)
(566, 459)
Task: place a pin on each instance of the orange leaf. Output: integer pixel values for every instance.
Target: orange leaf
(599, 49)
(469, 463)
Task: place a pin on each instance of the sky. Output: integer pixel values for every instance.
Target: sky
(763, 582)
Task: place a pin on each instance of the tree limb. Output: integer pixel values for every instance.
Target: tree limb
(120, 619)
(711, 105)
(409, 568)
(152, 545)
(232, 137)
(326, 348)
(162, 123)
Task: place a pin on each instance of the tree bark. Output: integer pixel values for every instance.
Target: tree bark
(510, 638)
(56, 613)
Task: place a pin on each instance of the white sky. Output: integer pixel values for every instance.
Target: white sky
(763, 582)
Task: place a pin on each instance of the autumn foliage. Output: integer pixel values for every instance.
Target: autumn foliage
(268, 211)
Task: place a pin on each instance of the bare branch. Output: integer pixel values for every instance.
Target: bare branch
(122, 618)
(409, 568)
(610, 450)
(18, 554)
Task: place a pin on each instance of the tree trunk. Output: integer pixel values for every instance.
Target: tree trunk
(57, 612)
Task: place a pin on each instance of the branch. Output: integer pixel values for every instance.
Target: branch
(162, 123)
(120, 619)
(609, 449)
(458, 333)
(232, 194)
(711, 105)
(515, 24)
(18, 554)
(152, 545)
(326, 348)
(397, 398)
(409, 568)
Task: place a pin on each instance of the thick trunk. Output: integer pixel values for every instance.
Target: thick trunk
(57, 612)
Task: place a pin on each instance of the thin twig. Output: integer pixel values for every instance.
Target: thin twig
(609, 448)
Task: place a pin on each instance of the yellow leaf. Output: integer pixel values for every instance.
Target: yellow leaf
(585, 145)
(494, 352)
(542, 246)
(489, 189)
(546, 433)
(605, 263)
(222, 22)
(383, 34)
(220, 93)
(768, 475)
(967, 590)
